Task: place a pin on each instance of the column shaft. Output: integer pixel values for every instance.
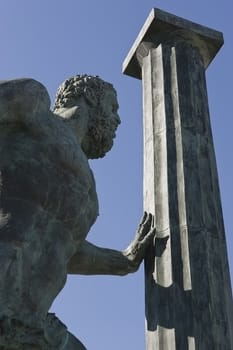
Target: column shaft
(188, 294)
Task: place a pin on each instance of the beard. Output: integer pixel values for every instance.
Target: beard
(99, 139)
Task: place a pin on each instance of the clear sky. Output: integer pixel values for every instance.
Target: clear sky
(51, 40)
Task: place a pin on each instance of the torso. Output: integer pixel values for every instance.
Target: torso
(36, 170)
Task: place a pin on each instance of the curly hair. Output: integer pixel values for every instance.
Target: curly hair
(90, 87)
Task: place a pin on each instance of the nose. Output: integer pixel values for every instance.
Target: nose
(117, 119)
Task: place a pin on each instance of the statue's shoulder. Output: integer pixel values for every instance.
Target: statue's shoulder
(22, 98)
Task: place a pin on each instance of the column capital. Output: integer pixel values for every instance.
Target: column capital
(163, 27)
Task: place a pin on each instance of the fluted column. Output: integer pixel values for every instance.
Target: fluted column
(188, 290)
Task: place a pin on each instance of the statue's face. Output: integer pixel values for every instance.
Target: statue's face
(102, 126)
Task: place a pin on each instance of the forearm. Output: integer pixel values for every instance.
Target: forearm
(93, 260)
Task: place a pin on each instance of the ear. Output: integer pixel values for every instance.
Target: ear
(90, 97)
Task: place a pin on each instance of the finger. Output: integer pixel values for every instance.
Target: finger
(145, 227)
(143, 220)
(148, 239)
(153, 222)
(149, 236)
(147, 224)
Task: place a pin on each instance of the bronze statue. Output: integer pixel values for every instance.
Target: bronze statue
(49, 203)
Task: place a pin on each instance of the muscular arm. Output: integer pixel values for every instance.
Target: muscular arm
(93, 260)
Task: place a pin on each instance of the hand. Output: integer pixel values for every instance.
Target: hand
(144, 237)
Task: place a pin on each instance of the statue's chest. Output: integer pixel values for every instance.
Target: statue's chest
(55, 178)
(69, 196)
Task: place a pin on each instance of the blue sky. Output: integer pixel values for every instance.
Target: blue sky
(51, 40)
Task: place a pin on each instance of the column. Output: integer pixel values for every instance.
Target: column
(187, 286)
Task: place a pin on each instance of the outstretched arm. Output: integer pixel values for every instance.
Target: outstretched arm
(93, 260)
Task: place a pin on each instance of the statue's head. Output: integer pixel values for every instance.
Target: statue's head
(99, 105)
